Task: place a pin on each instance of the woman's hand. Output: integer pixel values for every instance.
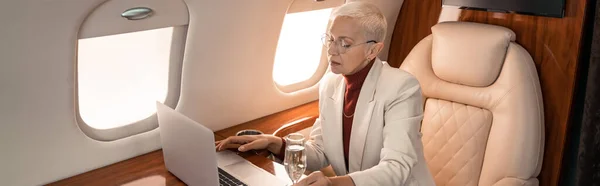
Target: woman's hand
(315, 179)
(250, 142)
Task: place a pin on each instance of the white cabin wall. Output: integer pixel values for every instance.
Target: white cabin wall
(226, 80)
(39, 138)
(227, 69)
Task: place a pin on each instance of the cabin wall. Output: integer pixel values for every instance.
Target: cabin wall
(554, 44)
(226, 80)
(414, 23)
(39, 136)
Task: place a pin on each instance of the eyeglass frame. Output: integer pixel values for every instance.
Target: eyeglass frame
(325, 40)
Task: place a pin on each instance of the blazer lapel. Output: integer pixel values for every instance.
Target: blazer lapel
(335, 128)
(362, 117)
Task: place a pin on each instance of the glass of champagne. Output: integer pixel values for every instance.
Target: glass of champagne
(295, 158)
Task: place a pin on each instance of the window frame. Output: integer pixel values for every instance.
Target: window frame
(297, 6)
(178, 43)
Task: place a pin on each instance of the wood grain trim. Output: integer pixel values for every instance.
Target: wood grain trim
(413, 24)
(295, 126)
(147, 169)
(270, 124)
(554, 44)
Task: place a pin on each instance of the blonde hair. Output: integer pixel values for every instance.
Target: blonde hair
(372, 22)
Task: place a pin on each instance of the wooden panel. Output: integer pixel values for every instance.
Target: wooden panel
(295, 126)
(147, 169)
(271, 123)
(413, 24)
(554, 45)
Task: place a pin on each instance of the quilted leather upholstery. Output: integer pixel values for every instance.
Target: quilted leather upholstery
(475, 133)
(460, 130)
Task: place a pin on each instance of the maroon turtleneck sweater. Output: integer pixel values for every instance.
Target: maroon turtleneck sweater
(354, 83)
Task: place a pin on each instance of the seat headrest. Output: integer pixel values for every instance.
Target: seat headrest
(469, 53)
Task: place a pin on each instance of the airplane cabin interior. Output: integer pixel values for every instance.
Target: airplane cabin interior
(146, 92)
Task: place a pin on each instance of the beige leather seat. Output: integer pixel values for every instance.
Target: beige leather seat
(483, 122)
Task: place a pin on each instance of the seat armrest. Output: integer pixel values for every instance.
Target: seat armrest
(295, 126)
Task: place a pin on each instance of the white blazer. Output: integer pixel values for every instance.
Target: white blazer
(385, 143)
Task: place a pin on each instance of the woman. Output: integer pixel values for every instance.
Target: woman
(370, 113)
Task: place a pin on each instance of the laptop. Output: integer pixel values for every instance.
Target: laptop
(189, 154)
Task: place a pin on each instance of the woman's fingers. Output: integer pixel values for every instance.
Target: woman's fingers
(306, 181)
(222, 144)
(301, 183)
(233, 142)
(241, 139)
(312, 178)
(317, 178)
(319, 182)
(228, 146)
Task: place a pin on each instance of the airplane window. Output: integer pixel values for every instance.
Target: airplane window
(120, 77)
(299, 49)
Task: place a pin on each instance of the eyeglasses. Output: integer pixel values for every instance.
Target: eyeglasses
(341, 44)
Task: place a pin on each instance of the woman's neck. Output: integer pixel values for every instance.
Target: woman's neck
(356, 79)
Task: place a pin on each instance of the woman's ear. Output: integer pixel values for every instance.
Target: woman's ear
(374, 51)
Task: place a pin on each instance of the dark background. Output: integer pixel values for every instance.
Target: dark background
(552, 8)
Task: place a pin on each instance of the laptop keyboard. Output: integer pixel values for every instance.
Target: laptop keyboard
(225, 179)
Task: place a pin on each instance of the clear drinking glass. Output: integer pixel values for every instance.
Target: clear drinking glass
(295, 158)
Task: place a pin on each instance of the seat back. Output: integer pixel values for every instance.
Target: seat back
(483, 121)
